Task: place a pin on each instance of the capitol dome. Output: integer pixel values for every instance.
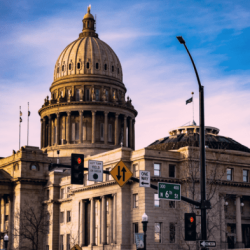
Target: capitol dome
(88, 112)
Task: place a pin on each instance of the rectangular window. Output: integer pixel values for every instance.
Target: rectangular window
(47, 247)
(96, 236)
(68, 241)
(135, 231)
(54, 134)
(156, 200)
(108, 236)
(136, 170)
(87, 95)
(77, 95)
(171, 170)
(135, 200)
(62, 193)
(245, 175)
(61, 217)
(61, 242)
(97, 96)
(230, 174)
(172, 233)
(47, 194)
(110, 133)
(157, 169)
(107, 207)
(107, 95)
(73, 131)
(68, 192)
(76, 131)
(96, 208)
(172, 204)
(102, 132)
(68, 216)
(158, 232)
(6, 217)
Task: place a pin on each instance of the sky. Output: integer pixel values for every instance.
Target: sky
(157, 71)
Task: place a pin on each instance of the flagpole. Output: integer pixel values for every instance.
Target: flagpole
(20, 120)
(28, 127)
(193, 105)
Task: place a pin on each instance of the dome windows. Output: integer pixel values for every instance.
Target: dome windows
(62, 68)
(57, 70)
(105, 66)
(112, 68)
(87, 65)
(78, 65)
(70, 66)
(117, 70)
(96, 65)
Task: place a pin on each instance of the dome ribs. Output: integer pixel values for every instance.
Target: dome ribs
(76, 56)
(67, 63)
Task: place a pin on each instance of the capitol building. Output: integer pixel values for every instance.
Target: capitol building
(89, 112)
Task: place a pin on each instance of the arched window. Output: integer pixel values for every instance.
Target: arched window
(57, 70)
(117, 70)
(87, 65)
(63, 68)
(96, 65)
(33, 167)
(105, 66)
(70, 66)
(78, 65)
(112, 68)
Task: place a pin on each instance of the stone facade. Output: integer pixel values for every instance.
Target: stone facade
(100, 125)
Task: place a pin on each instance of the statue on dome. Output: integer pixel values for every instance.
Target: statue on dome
(89, 8)
(81, 95)
(93, 94)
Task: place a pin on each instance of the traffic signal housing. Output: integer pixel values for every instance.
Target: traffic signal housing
(77, 164)
(190, 227)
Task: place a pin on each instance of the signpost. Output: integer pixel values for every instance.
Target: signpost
(207, 243)
(139, 240)
(169, 191)
(95, 171)
(121, 173)
(76, 247)
(144, 178)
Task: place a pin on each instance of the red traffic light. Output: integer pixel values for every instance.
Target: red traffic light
(191, 219)
(79, 160)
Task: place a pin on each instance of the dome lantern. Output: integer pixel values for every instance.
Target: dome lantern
(88, 25)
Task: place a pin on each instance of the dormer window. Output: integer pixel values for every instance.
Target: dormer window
(87, 65)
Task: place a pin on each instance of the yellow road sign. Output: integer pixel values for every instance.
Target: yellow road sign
(76, 247)
(121, 173)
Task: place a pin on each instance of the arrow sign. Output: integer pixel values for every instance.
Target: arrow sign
(124, 171)
(119, 175)
(206, 243)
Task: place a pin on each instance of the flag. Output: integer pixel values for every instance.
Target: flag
(21, 119)
(21, 113)
(189, 100)
(28, 113)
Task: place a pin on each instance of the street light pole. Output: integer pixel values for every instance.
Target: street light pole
(202, 149)
(6, 240)
(145, 223)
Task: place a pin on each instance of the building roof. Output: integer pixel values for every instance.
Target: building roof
(189, 136)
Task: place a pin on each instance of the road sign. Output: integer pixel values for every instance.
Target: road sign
(206, 243)
(121, 173)
(169, 191)
(139, 240)
(95, 171)
(76, 247)
(144, 178)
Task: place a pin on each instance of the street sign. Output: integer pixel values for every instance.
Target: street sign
(95, 171)
(121, 173)
(169, 191)
(206, 243)
(139, 240)
(76, 247)
(144, 178)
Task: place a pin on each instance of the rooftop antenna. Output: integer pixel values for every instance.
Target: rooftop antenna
(20, 120)
(28, 125)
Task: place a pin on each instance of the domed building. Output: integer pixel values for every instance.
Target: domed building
(88, 114)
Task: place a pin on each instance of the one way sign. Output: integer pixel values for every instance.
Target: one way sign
(121, 173)
(144, 178)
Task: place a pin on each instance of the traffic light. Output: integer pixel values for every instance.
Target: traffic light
(190, 226)
(77, 162)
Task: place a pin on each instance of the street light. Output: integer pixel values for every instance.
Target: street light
(204, 204)
(145, 223)
(6, 240)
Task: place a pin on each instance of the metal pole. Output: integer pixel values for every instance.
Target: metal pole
(28, 127)
(202, 154)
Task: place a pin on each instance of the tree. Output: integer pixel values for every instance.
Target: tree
(31, 225)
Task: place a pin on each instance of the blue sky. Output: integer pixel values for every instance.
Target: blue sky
(157, 71)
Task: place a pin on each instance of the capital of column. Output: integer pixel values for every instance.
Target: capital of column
(116, 115)
(44, 118)
(93, 112)
(50, 117)
(41, 120)
(68, 113)
(113, 195)
(125, 117)
(81, 112)
(58, 114)
(106, 113)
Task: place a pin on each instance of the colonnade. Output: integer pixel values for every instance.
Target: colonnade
(98, 226)
(128, 133)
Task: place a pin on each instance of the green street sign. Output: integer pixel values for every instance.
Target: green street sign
(169, 191)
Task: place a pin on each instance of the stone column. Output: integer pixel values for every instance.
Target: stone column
(44, 132)
(49, 132)
(130, 133)
(92, 221)
(80, 126)
(100, 222)
(134, 134)
(239, 243)
(114, 218)
(116, 129)
(57, 128)
(68, 127)
(93, 126)
(82, 227)
(111, 220)
(104, 221)
(105, 127)
(223, 224)
(125, 131)
(9, 221)
(41, 143)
